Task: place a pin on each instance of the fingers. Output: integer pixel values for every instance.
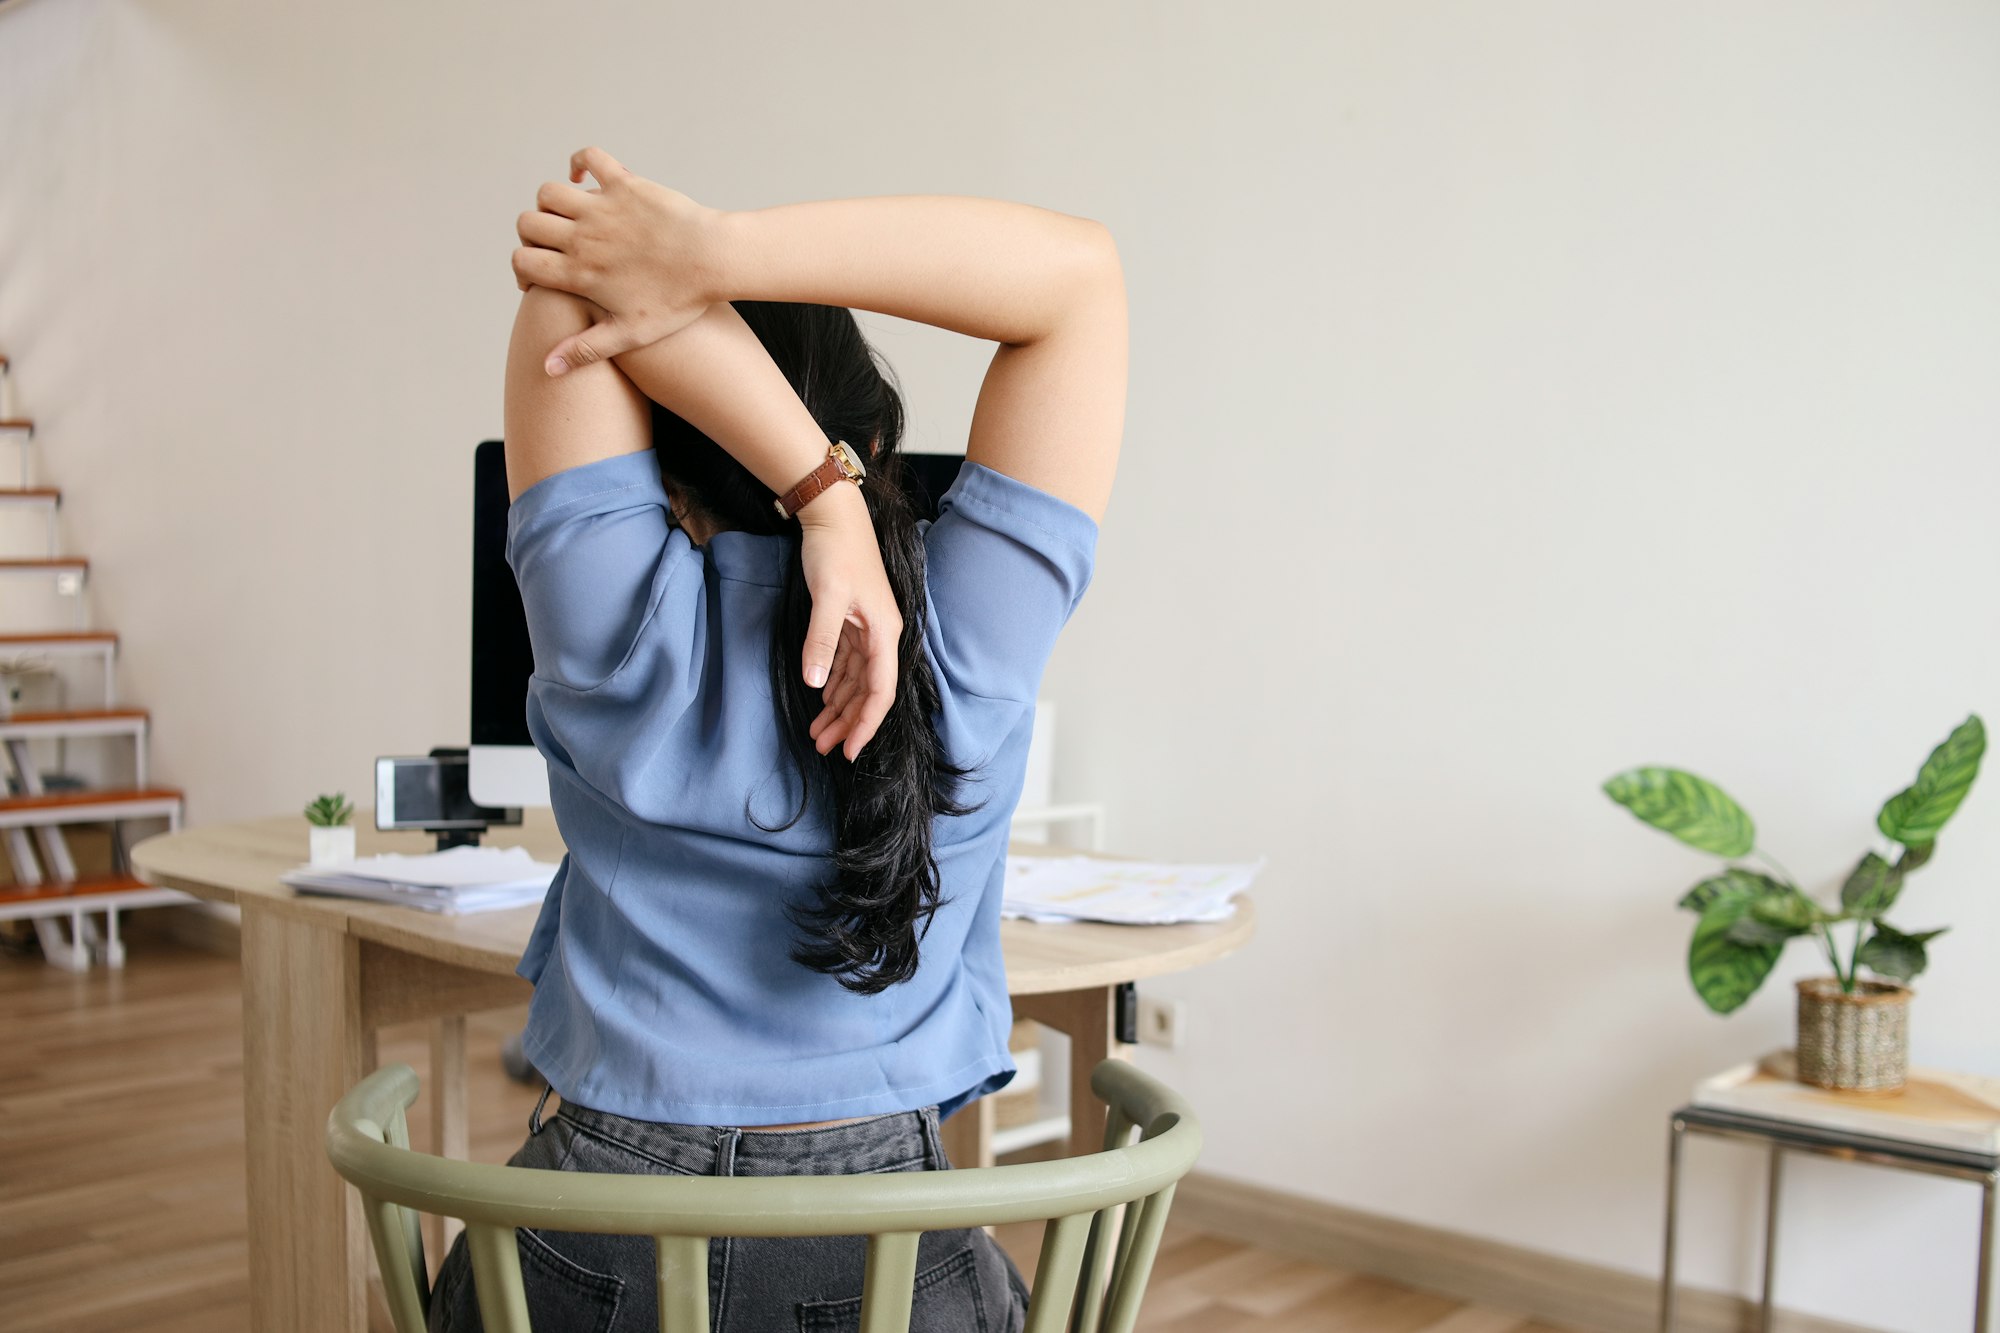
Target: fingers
(836, 717)
(536, 267)
(847, 681)
(598, 163)
(836, 694)
(862, 690)
(880, 688)
(838, 728)
(599, 342)
(546, 230)
(565, 201)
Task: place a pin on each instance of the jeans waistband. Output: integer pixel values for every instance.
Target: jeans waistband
(904, 1141)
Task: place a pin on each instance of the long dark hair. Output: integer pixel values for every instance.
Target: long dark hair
(865, 924)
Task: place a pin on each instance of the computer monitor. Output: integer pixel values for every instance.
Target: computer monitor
(506, 769)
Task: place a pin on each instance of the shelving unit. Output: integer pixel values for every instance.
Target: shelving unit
(39, 810)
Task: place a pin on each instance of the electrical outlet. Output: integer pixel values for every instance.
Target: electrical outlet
(1162, 1022)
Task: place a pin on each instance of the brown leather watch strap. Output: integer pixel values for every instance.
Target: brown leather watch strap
(834, 469)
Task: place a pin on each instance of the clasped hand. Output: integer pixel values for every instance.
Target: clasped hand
(643, 254)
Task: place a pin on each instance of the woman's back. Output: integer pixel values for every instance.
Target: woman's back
(665, 987)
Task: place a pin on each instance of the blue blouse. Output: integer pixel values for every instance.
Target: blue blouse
(664, 986)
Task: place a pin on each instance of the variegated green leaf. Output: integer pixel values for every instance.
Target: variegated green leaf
(1788, 910)
(1735, 882)
(1872, 888)
(1749, 930)
(1691, 808)
(1890, 953)
(1724, 970)
(1914, 815)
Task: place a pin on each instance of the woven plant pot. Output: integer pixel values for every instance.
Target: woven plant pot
(1854, 1043)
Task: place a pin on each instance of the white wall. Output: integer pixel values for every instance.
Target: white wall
(1519, 393)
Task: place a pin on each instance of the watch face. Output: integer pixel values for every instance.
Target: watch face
(849, 460)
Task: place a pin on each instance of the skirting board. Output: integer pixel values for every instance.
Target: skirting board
(1541, 1286)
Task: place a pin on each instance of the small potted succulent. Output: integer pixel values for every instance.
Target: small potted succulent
(332, 831)
(1853, 1030)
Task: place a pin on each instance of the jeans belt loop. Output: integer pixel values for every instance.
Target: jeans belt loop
(933, 1139)
(725, 1151)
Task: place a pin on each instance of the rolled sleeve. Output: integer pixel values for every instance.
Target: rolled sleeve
(1005, 566)
(592, 548)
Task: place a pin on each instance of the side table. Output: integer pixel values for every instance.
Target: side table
(1879, 1130)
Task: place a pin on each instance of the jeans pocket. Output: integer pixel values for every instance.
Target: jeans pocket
(946, 1299)
(564, 1294)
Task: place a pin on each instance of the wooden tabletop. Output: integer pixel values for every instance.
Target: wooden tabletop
(228, 863)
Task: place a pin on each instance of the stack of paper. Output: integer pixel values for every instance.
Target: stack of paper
(1134, 893)
(463, 879)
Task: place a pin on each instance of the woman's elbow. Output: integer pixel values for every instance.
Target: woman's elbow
(1092, 279)
(1090, 259)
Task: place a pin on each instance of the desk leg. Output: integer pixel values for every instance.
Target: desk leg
(1676, 1133)
(304, 1046)
(449, 1133)
(1089, 1019)
(1982, 1299)
(1771, 1234)
(968, 1136)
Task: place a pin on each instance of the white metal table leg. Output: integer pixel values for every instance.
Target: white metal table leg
(1771, 1235)
(1676, 1132)
(1983, 1293)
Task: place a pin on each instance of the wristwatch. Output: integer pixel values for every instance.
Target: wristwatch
(842, 463)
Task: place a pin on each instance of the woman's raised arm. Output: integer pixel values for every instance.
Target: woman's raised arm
(717, 377)
(1044, 285)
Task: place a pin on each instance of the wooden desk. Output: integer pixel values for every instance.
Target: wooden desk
(321, 975)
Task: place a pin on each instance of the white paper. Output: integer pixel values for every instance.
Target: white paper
(456, 868)
(462, 879)
(1088, 888)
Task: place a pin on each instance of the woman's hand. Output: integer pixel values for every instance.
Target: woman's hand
(636, 248)
(852, 639)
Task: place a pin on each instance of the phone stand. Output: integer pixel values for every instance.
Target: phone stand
(448, 838)
(459, 822)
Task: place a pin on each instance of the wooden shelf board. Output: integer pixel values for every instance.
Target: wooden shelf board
(75, 715)
(72, 799)
(58, 636)
(35, 564)
(90, 886)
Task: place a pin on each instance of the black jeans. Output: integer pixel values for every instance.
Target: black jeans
(583, 1283)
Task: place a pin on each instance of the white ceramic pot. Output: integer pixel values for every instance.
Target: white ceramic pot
(331, 845)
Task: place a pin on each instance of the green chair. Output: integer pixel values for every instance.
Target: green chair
(1104, 1212)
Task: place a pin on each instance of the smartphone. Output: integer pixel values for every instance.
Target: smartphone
(430, 792)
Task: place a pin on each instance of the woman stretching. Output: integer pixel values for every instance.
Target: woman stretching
(786, 723)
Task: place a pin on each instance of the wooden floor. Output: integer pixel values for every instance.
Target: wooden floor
(121, 1170)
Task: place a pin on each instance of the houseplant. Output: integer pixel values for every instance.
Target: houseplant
(332, 833)
(1853, 1030)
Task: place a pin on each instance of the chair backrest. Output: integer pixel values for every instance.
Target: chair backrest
(1104, 1212)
